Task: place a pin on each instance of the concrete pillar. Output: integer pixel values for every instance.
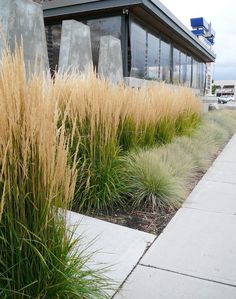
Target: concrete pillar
(110, 64)
(75, 49)
(21, 23)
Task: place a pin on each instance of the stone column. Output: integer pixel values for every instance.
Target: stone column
(110, 64)
(22, 23)
(75, 50)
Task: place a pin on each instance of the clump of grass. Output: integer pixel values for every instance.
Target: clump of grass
(37, 253)
(112, 120)
(211, 137)
(159, 178)
(152, 182)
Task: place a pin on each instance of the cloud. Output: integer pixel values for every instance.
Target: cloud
(222, 17)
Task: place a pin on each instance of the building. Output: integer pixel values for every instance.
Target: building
(155, 44)
(225, 88)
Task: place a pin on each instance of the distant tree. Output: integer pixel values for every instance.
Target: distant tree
(214, 89)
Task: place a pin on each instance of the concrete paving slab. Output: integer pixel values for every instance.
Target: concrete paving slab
(114, 245)
(213, 196)
(223, 172)
(229, 152)
(146, 282)
(197, 243)
(228, 106)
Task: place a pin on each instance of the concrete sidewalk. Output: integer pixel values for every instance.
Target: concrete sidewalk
(195, 256)
(117, 247)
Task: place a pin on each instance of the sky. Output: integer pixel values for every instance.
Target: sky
(222, 15)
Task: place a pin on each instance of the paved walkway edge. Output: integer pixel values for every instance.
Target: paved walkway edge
(195, 256)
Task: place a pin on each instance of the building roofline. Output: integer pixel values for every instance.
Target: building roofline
(153, 7)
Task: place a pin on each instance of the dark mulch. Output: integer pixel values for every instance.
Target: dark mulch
(150, 222)
(145, 221)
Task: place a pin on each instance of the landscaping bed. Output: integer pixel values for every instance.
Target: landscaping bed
(82, 144)
(149, 222)
(222, 125)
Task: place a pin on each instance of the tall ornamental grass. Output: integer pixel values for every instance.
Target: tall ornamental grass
(111, 121)
(159, 178)
(38, 257)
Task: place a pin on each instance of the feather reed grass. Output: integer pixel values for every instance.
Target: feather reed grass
(37, 259)
(112, 120)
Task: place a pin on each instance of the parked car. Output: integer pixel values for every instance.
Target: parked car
(225, 99)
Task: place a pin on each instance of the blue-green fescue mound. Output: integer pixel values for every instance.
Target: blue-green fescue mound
(159, 178)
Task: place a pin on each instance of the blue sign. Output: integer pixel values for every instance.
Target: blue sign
(202, 28)
(199, 23)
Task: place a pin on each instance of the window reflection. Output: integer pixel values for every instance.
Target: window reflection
(189, 71)
(176, 66)
(195, 74)
(53, 35)
(202, 77)
(153, 57)
(165, 61)
(100, 27)
(183, 68)
(149, 55)
(138, 50)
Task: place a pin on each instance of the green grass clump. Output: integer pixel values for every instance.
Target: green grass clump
(99, 185)
(39, 257)
(152, 182)
(158, 178)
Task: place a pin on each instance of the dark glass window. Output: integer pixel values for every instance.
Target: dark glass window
(145, 52)
(183, 68)
(53, 35)
(195, 74)
(138, 50)
(101, 27)
(202, 77)
(176, 66)
(98, 27)
(189, 71)
(165, 61)
(153, 57)
(198, 75)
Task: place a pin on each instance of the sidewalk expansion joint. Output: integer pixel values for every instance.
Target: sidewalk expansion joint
(217, 181)
(224, 161)
(208, 211)
(189, 275)
(149, 244)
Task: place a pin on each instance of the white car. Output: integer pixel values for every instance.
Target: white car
(225, 99)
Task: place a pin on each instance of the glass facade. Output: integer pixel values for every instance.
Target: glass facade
(150, 55)
(154, 58)
(100, 27)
